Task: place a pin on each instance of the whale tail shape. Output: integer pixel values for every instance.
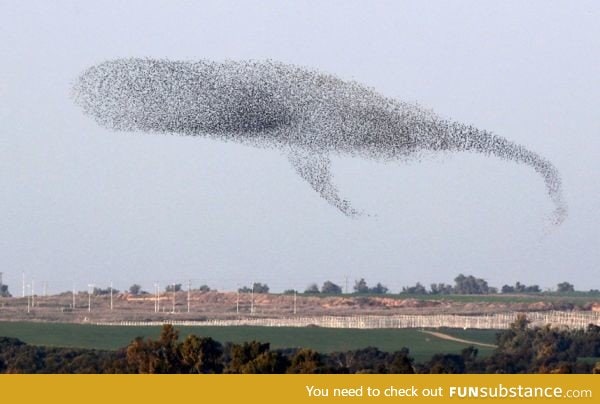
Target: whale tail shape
(466, 138)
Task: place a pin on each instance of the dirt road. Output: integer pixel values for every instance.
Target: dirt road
(464, 341)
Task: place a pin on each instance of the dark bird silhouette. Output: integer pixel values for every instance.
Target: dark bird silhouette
(307, 114)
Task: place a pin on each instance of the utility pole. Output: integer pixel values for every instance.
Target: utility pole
(294, 301)
(173, 286)
(157, 297)
(73, 304)
(32, 294)
(252, 299)
(111, 295)
(188, 296)
(90, 286)
(28, 300)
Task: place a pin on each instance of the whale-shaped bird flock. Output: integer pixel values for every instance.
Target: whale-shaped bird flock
(306, 114)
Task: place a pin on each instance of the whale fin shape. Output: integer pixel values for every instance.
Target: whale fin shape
(314, 168)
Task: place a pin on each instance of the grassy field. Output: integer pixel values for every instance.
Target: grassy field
(484, 336)
(549, 297)
(421, 345)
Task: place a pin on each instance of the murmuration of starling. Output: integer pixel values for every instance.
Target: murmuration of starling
(309, 115)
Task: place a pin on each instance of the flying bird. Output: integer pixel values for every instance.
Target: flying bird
(307, 114)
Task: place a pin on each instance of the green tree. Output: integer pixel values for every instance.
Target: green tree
(260, 287)
(365, 360)
(161, 356)
(565, 287)
(240, 355)
(141, 357)
(135, 289)
(469, 285)
(266, 363)
(524, 349)
(520, 288)
(306, 361)
(418, 289)
(331, 288)
(533, 289)
(201, 355)
(173, 288)
(360, 286)
(312, 289)
(401, 362)
(445, 363)
(507, 289)
(4, 291)
(441, 289)
(379, 289)
(103, 292)
(257, 287)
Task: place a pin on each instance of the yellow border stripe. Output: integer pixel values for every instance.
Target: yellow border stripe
(279, 389)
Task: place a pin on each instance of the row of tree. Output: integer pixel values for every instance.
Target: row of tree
(463, 285)
(330, 288)
(470, 285)
(136, 289)
(521, 349)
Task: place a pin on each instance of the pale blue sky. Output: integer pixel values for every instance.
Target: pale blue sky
(82, 204)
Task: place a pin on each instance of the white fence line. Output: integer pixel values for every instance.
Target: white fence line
(490, 321)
